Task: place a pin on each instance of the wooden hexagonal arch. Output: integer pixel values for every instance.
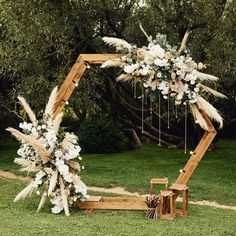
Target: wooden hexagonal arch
(64, 94)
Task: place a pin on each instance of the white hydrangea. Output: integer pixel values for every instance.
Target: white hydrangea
(161, 62)
(164, 87)
(131, 68)
(38, 179)
(64, 170)
(157, 49)
(26, 126)
(58, 206)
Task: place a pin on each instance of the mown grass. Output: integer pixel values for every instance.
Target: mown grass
(214, 179)
(21, 219)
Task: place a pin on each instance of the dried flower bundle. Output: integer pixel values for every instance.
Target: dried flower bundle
(44, 151)
(170, 71)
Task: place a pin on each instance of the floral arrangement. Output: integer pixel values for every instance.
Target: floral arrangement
(51, 154)
(171, 71)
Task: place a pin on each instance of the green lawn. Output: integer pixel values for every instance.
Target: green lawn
(214, 179)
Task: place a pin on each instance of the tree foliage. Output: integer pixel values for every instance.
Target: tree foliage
(40, 41)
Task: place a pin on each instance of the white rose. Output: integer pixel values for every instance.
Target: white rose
(160, 52)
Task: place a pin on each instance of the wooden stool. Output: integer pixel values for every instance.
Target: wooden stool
(167, 205)
(182, 190)
(155, 181)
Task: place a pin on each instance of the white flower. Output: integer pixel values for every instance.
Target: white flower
(58, 153)
(177, 102)
(43, 126)
(159, 74)
(39, 127)
(190, 77)
(147, 83)
(144, 71)
(38, 179)
(192, 95)
(157, 49)
(148, 58)
(200, 66)
(196, 90)
(178, 72)
(130, 68)
(179, 96)
(57, 202)
(161, 62)
(34, 130)
(68, 178)
(26, 126)
(163, 85)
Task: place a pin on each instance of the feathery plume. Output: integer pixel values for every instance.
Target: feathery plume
(32, 141)
(149, 38)
(53, 182)
(27, 165)
(198, 117)
(25, 192)
(57, 121)
(116, 42)
(23, 162)
(124, 77)
(51, 102)
(27, 109)
(74, 165)
(68, 141)
(42, 201)
(203, 76)
(210, 90)
(31, 168)
(112, 63)
(184, 41)
(210, 110)
(63, 197)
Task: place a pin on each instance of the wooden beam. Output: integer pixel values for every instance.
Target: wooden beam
(99, 58)
(198, 153)
(115, 203)
(75, 75)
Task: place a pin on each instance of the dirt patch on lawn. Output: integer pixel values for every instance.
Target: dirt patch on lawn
(122, 191)
(117, 190)
(10, 175)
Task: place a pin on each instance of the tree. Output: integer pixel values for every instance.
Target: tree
(40, 41)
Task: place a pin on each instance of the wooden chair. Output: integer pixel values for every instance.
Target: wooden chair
(156, 181)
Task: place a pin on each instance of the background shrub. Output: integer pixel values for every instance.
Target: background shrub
(102, 134)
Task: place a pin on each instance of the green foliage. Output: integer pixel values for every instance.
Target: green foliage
(40, 41)
(102, 134)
